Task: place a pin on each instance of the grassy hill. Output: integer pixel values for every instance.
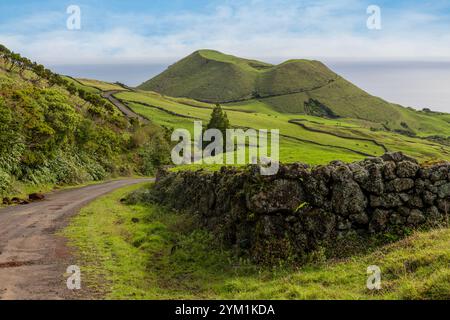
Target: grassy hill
(294, 86)
(56, 130)
(310, 139)
(207, 75)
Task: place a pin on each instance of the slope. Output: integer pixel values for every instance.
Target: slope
(54, 131)
(294, 86)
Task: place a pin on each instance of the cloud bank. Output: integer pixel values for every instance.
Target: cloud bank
(271, 30)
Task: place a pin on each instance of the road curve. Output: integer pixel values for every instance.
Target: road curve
(33, 259)
(122, 107)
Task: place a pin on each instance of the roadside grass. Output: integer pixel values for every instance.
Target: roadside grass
(21, 190)
(148, 252)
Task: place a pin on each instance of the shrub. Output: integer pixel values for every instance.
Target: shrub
(5, 182)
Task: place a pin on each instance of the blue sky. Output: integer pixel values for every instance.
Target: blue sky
(159, 31)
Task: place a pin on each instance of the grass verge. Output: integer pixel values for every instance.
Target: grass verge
(147, 252)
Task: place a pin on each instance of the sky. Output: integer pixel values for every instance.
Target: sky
(157, 33)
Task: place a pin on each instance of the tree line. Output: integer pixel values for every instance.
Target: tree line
(15, 62)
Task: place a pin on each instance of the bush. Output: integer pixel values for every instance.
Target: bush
(5, 182)
(155, 151)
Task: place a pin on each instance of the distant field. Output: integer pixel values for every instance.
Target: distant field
(80, 85)
(101, 85)
(307, 138)
(293, 87)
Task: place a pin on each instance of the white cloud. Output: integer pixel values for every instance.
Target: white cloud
(254, 29)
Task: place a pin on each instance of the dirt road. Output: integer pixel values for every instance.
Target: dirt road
(33, 259)
(125, 110)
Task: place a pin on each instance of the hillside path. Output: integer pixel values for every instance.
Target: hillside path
(33, 258)
(122, 107)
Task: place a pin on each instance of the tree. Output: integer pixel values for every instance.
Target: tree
(219, 120)
(72, 89)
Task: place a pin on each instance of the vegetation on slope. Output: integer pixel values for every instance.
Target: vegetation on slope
(55, 132)
(289, 87)
(146, 252)
(345, 139)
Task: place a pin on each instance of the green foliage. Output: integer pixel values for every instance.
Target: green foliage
(154, 151)
(5, 182)
(219, 120)
(55, 131)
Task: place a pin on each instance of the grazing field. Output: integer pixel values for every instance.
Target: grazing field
(304, 138)
(101, 85)
(292, 87)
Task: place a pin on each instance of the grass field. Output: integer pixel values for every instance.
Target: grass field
(305, 138)
(101, 85)
(127, 252)
(318, 138)
(292, 87)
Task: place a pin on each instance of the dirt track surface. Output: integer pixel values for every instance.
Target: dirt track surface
(33, 259)
(122, 107)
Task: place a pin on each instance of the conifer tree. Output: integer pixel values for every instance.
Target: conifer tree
(219, 120)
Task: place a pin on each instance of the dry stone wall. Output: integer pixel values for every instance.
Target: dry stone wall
(302, 208)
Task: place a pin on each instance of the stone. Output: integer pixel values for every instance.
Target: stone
(397, 219)
(420, 185)
(404, 197)
(344, 225)
(429, 197)
(389, 170)
(388, 200)
(407, 169)
(379, 220)
(309, 207)
(404, 211)
(278, 196)
(443, 205)
(432, 212)
(400, 184)
(359, 219)
(416, 201)
(374, 183)
(416, 217)
(444, 190)
(425, 173)
(440, 173)
(36, 197)
(348, 198)
(342, 173)
(397, 157)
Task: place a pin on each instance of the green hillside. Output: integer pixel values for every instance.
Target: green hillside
(305, 138)
(55, 130)
(294, 86)
(207, 75)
